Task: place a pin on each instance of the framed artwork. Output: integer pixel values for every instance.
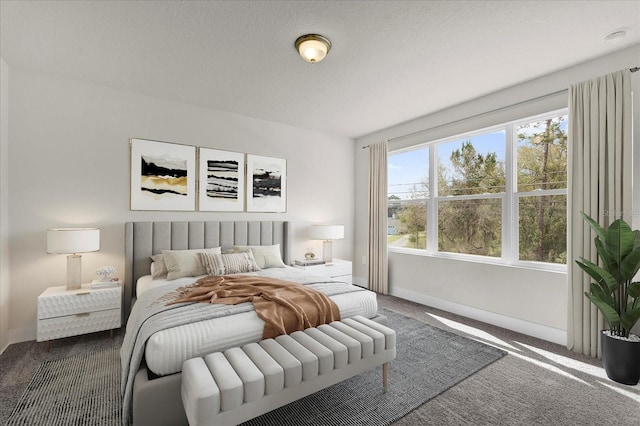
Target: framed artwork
(163, 176)
(221, 177)
(266, 184)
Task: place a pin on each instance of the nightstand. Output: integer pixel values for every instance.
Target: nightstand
(64, 313)
(339, 269)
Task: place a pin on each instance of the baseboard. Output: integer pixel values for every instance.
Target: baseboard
(4, 349)
(544, 332)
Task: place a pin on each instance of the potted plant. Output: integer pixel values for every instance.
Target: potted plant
(617, 297)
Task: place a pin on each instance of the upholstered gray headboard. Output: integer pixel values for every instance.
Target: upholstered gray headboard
(143, 239)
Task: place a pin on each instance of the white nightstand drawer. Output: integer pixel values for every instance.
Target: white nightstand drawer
(340, 270)
(335, 269)
(58, 302)
(81, 323)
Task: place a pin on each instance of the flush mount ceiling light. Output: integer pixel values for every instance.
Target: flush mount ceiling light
(313, 47)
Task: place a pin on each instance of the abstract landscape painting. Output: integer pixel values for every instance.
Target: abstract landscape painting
(267, 189)
(162, 176)
(221, 180)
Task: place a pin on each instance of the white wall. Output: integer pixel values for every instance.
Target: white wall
(522, 299)
(69, 165)
(4, 205)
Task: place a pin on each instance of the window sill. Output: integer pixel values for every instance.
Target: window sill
(538, 266)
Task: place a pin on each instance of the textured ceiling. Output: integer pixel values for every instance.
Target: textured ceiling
(391, 61)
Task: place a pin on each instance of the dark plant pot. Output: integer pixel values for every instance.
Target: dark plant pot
(621, 360)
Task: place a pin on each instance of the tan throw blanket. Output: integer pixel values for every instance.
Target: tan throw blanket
(284, 306)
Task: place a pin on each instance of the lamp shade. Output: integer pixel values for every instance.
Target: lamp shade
(327, 232)
(73, 240)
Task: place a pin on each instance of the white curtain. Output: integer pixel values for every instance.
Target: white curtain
(600, 177)
(378, 270)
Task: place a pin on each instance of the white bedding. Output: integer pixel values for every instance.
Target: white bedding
(147, 283)
(168, 349)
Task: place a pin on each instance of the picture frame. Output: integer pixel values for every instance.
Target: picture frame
(266, 184)
(221, 180)
(163, 176)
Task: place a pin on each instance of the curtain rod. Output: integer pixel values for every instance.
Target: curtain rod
(634, 69)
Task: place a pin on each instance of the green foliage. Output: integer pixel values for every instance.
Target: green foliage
(414, 217)
(543, 228)
(542, 165)
(471, 226)
(542, 155)
(613, 292)
(473, 173)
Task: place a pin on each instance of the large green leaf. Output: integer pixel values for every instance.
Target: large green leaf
(633, 289)
(608, 261)
(629, 319)
(594, 225)
(636, 238)
(599, 292)
(597, 273)
(630, 265)
(610, 314)
(619, 240)
(618, 250)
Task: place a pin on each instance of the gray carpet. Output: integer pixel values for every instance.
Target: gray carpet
(84, 389)
(77, 390)
(429, 361)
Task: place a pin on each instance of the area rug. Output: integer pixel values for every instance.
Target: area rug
(78, 390)
(85, 389)
(428, 361)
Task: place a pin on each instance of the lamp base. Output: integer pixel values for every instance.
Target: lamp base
(74, 272)
(327, 256)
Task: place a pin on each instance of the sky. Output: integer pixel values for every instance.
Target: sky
(411, 167)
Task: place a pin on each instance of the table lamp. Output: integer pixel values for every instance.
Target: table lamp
(72, 241)
(328, 233)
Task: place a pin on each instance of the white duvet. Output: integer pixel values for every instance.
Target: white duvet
(166, 350)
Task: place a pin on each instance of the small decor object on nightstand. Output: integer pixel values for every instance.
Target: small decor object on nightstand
(105, 272)
(309, 255)
(106, 281)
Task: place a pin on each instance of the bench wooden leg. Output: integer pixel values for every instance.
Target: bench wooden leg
(385, 376)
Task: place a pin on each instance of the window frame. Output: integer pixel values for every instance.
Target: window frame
(510, 199)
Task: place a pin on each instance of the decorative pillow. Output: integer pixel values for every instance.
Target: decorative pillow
(158, 267)
(266, 256)
(185, 263)
(234, 263)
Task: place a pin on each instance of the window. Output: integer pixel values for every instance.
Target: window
(500, 192)
(408, 194)
(471, 188)
(542, 189)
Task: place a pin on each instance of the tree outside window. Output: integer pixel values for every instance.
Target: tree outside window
(542, 186)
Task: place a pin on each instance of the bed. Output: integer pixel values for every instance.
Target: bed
(154, 397)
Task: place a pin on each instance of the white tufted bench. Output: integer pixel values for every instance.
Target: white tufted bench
(239, 384)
